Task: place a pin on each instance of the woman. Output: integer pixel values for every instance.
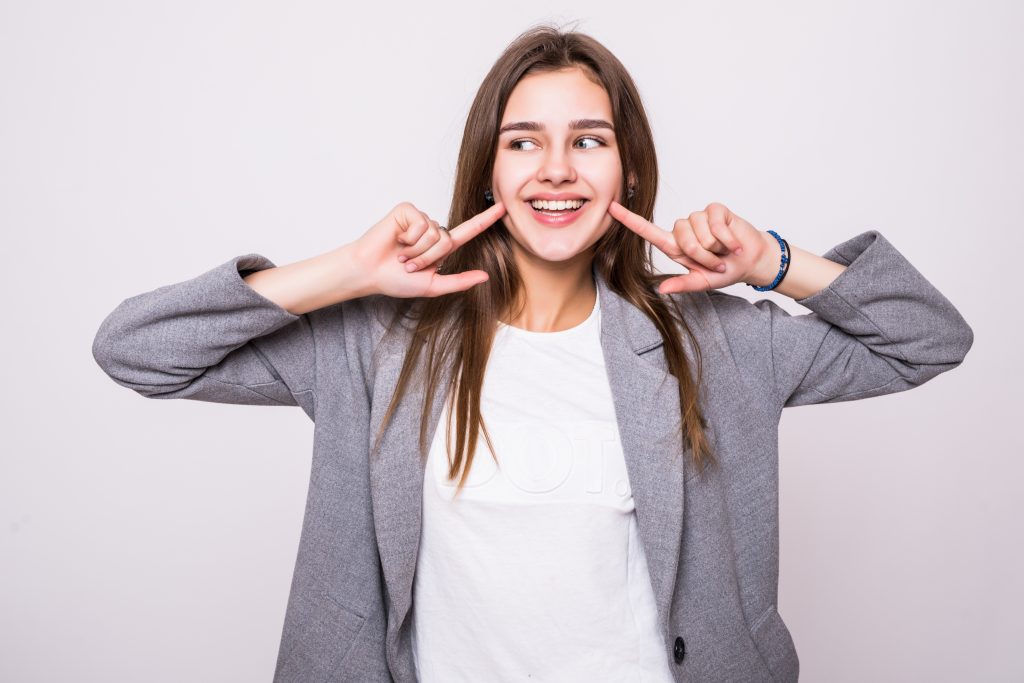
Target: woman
(618, 520)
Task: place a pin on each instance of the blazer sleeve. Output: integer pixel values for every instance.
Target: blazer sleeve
(879, 328)
(211, 338)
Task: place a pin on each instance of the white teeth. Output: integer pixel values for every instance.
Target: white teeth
(543, 204)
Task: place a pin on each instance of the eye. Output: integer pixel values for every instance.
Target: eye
(599, 141)
(516, 142)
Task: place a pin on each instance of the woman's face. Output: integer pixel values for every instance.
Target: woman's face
(556, 142)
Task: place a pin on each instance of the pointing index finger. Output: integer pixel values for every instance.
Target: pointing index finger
(662, 239)
(469, 229)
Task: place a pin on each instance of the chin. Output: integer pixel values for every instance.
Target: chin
(556, 255)
(556, 245)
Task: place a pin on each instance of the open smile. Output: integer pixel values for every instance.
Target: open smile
(549, 215)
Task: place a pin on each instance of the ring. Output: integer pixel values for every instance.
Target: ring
(441, 227)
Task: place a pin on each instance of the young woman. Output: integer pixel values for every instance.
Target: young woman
(617, 518)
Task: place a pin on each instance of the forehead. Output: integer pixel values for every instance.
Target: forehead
(557, 97)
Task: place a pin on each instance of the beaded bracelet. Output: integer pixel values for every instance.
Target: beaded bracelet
(783, 267)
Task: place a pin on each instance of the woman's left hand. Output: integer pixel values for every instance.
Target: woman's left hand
(718, 248)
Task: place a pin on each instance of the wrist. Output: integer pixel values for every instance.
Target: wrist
(767, 267)
(351, 280)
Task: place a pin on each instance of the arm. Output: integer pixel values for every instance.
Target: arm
(246, 331)
(317, 282)
(217, 338)
(878, 327)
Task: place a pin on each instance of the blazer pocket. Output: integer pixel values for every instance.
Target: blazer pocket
(774, 642)
(322, 644)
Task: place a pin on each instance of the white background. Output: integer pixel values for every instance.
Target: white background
(143, 143)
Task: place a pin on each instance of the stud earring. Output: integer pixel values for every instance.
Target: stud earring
(488, 196)
(630, 191)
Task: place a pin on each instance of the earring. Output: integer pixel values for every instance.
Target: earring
(630, 191)
(488, 196)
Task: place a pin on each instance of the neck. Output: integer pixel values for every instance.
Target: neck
(555, 296)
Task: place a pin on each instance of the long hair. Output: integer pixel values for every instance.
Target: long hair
(457, 330)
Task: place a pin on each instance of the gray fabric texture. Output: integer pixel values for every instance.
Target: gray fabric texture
(711, 539)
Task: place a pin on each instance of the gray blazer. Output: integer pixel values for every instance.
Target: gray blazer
(711, 541)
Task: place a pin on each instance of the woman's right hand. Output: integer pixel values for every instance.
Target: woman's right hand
(407, 231)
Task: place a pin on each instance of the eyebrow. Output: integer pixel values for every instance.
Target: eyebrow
(578, 124)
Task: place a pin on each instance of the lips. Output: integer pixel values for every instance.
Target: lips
(559, 219)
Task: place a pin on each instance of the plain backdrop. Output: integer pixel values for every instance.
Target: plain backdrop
(143, 143)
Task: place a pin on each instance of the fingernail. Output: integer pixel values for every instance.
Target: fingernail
(739, 250)
(721, 268)
(410, 266)
(402, 258)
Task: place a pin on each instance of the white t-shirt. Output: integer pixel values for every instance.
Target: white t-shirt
(536, 571)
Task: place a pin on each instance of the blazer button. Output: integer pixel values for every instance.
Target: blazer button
(680, 650)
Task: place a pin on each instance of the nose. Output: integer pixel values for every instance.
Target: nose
(556, 166)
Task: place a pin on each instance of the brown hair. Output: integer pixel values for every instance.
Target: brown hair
(459, 328)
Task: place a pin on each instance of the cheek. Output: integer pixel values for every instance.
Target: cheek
(608, 179)
(510, 177)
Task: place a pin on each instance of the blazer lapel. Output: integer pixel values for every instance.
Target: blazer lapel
(396, 482)
(647, 411)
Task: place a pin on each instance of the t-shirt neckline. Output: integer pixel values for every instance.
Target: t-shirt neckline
(558, 334)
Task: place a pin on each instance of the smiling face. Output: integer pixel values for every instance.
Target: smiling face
(559, 145)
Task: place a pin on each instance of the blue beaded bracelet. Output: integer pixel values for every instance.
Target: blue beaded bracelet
(783, 267)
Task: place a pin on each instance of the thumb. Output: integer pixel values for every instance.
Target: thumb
(456, 282)
(689, 282)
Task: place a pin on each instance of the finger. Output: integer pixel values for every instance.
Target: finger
(703, 242)
(441, 248)
(697, 279)
(458, 236)
(456, 282)
(431, 236)
(701, 223)
(405, 215)
(467, 230)
(662, 239)
(718, 222)
(411, 227)
(694, 281)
